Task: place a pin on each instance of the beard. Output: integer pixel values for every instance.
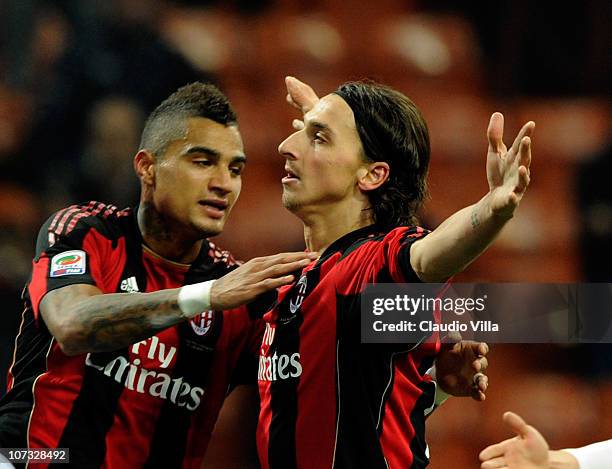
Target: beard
(290, 202)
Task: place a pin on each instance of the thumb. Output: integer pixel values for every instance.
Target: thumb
(516, 423)
(495, 132)
(302, 95)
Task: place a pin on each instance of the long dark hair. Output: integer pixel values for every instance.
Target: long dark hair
(391, 129)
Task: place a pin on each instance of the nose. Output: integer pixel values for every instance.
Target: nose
(221, 181)
(287, 148)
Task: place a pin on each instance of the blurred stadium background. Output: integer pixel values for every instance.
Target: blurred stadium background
(77, 77)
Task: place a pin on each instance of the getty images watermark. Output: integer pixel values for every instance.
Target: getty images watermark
(503, 312)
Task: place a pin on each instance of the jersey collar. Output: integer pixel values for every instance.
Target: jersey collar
(346, 241)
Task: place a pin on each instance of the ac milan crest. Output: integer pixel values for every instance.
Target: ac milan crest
(202, 323)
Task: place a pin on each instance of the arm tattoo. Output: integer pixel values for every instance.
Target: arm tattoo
(474, 218)
(115, 322)
(96, 322)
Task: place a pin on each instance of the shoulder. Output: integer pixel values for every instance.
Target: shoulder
(397, 236)
(78, 219)
(406, 233)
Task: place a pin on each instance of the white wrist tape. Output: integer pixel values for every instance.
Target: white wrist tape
(195, 299)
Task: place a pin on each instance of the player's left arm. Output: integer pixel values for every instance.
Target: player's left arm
(462, 237)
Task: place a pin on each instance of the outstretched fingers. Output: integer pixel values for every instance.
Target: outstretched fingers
(526, 131)
(525, 152)
(495, 451)
(522, 183)
(495, 463)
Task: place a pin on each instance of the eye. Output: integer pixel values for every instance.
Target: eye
(237, 170)
(318, 137)
(203, 162)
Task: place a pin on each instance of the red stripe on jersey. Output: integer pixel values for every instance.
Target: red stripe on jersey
(138, 410)
(67, 214)
(318, 343)
(398, 431)
(124, 213)
(110, 267)
(38, 286)
(93, 208)
(88, 213)
(162, 273)
(109, 211)
(54, 393)
(53, 223)
(263, 424)
(106, 266)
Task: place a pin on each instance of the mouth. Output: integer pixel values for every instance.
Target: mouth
(290, 176)
(215, 208)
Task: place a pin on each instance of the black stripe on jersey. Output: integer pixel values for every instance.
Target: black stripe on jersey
(359, 243)
(357, 442)
(194, 359)
(93, 412)
(418, 445)
(404, 255)
(346, 242)
(283, 392)
(134, 266)
(362, 370)
(31, 346)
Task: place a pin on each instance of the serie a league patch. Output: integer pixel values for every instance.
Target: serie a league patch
(68, 263)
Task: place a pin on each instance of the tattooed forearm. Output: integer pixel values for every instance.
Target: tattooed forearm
(115, 323)
(453, 245)
(82, 320)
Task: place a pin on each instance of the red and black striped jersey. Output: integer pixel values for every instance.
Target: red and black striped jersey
(153, 403)
(327, 400)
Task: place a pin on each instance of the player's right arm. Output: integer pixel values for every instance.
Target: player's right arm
(83, 319)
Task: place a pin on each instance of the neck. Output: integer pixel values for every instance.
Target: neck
(325, 226)
(169, 243)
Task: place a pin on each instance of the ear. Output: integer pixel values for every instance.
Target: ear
(144, 165)
(373, 176)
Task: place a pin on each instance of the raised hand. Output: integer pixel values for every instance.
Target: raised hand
(255, 277)
(460, 367)
(507, 169)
